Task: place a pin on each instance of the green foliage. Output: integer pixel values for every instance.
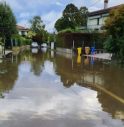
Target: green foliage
(38, 30)
(72, 18)
(115, 22)
(83, 15)
(115, 29)
(60, 41)
(21, 40)
(64, 23)
(31, 34)
(110, 45)
(72, 13)
(37, 24)
(7, 21)
(45, 36)
(68, 30)
(51, 38)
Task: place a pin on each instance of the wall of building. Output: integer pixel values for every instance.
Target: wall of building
(96, 22)
(22, 32)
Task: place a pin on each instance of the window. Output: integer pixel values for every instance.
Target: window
(98, 21)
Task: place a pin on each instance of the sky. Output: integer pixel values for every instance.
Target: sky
(50, 10)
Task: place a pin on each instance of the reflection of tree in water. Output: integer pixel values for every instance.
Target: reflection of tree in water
(111, 105)
(37, 62)
(64, 69)
(111, 79)
(8, 76)
(114, 80)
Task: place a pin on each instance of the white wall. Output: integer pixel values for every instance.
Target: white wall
(20, 32)
(92, 21)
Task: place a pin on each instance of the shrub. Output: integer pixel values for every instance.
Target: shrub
(68, 30)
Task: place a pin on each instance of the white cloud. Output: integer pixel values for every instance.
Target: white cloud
(59, 4)
(24, 23)
(24, 14)
(94, 9)
(16, 6)
(115, 2)
(50, 19)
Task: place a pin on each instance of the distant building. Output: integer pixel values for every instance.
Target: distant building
(22, 30)
(96, 19)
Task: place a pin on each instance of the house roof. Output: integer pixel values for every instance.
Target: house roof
(21, 28)
(103, 11)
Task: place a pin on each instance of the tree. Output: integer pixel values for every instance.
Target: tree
(72, 13)
(64, 23)
(83, 15)
(72, 18)
(7, 21)
(37, 27)
(31, 34)
(37, 24)
(115, 29)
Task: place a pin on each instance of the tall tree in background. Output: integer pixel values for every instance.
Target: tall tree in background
(7, 21)
(64, 23)
(72, 13)
(37, 27)
(83, 15)
(37, 24)
(72, 18)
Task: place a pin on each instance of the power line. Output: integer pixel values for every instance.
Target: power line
(97, 1)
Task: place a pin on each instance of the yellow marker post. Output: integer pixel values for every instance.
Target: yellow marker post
(78, 59)
(79, 51)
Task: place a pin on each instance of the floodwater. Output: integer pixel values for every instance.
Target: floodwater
(49, 89)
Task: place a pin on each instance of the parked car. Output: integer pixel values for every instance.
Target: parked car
(34, 45)
(44, 45)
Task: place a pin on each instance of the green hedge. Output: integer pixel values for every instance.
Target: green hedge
(20, 40)
(65, 40)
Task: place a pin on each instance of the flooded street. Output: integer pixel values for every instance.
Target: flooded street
(49, 89)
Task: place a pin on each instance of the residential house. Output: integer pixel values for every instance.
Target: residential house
(22, 30)
(96, 19)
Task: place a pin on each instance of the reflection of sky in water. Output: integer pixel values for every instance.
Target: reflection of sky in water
(45, 97)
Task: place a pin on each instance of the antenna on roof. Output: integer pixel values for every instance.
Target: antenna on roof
(106, 4)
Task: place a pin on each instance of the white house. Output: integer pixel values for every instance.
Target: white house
(96, 19)
(22, 30)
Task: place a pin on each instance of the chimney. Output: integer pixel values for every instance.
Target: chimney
(105, 4)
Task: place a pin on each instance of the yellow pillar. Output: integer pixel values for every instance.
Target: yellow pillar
(79, 50)
(78, 59)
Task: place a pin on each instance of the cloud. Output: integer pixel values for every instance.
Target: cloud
(50, 19)
(24, 15)
(24, 23)
(59, 4)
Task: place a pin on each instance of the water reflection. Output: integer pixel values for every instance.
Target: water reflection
(34, 50)
(43, 91)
